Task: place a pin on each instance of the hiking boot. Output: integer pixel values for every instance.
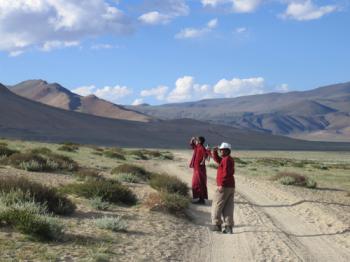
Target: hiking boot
(199, 202)
(215, 228)
(228, 230)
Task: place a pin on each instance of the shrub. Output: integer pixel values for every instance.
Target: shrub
(20, 211)
(116, 224)
(108, 190)
(287, 180)
(40, 151)
(28, 162)
(169, 184)
(295, 179)
(114, 153)
(3, 144)
(63, 163)
(310, 183)
(5, 151)
(69, 148)
(145, 154)
(128, 178)
(39, 162)
(38, 226)
(131, 169)
(298, 179)
(55, 202)
(137, 154)
(88, 174)
(99, 204)
(173, 203)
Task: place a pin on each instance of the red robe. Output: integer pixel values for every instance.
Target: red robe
(199, 179)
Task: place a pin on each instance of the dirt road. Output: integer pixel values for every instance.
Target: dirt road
(271, 223)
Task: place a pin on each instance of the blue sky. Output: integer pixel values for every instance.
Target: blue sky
(175, 50)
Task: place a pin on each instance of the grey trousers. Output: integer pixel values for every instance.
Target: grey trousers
(223, 207)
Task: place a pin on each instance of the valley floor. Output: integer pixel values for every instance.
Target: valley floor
(273, 222)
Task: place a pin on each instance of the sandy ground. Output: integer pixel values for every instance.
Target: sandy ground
(272, 222)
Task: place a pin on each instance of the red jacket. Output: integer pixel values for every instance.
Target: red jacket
(226, 170)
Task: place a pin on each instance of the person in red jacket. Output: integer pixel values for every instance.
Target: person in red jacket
(199, 179)
(223, 201)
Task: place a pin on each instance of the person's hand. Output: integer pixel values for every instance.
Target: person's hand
(220, 189)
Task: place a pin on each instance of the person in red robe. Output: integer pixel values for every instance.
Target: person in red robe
(199, 179)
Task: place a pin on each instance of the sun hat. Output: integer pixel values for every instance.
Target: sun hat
(225, 146)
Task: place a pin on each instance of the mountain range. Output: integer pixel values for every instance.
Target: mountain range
(22, 118)
(58, 96)
(319, 114)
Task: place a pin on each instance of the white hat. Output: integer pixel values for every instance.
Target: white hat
(225, 146)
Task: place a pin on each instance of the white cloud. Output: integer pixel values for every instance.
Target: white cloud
(50, 45)
(154, 18)
(103, 46)
(190, 32)
(307, 10)
(240, 87)
(245, 6)
(213, 23)
(213, 2)
(157, 92)
(183, 89)
(137, 102)
(240, 30)
(282, 88)
(238, 6)
(109, 93)
(84, 90)
(40, 23)
(187, 89)
(162, 12)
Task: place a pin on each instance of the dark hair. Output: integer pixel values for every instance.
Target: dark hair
(201, 139)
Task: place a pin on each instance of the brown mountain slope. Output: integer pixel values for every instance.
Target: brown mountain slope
(305, 114)
(58, 96)
(25, 119)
